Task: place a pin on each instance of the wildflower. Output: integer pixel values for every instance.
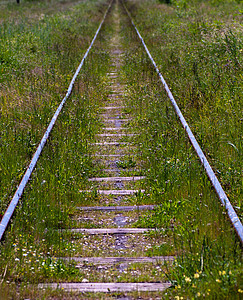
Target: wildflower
(196, 275)
(177, 298)
(218, 280)
(188, 279)
(198, 294)
(230, 273)
(240, 291)
(223, 272)
(16, 259)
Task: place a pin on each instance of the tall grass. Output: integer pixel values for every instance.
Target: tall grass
(193, 224)
(198, 48)
(34, 238)
(38, 59)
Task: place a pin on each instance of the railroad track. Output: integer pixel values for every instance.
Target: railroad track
(112, 229)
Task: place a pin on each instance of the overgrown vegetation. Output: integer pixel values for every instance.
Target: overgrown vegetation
(38, 58)
(38, 61)
(198, 49)
(197, 46)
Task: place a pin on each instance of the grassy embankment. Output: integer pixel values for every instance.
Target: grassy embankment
(197, 47)
(40, 50)
(39, 57)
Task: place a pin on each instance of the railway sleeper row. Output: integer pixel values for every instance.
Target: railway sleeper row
(123, 240)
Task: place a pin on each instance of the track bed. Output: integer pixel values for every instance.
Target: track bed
(118, 204)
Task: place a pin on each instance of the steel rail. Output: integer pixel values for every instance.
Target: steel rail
(10, 210)
(214, 180)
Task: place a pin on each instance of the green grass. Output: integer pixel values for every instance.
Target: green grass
(198, 48)
(193, 61)
(38, 59)
(191, 222)
(65, 164)
(54, 190)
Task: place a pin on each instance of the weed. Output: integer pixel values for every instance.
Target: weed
(200, 76)
(62, 171)
(126, 163)
(204, 76)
